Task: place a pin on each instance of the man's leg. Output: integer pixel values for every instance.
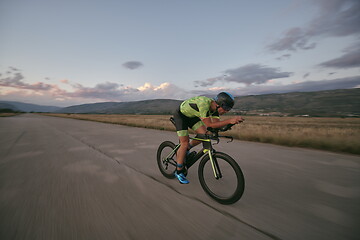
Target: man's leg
(180, 158)
(199, 130)
(181, 153)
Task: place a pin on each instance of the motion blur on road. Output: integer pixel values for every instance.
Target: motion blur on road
(73, 179)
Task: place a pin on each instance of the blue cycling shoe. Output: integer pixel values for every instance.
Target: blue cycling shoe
(181, 177)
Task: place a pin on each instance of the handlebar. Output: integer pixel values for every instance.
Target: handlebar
(226, 128)
(215, 132)
(222, 129)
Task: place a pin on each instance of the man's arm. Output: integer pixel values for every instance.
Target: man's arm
(216, 123)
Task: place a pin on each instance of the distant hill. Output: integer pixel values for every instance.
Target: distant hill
(26, 107)
(158, 106)
(334, 103)
(340, 103)
(7, 108)
(343, 102)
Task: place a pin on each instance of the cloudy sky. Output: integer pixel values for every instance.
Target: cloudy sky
(71, 52)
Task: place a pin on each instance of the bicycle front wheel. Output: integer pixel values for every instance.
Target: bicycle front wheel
(166, 159)
(229, 187)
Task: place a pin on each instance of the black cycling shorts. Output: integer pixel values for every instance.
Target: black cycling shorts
(183, 123)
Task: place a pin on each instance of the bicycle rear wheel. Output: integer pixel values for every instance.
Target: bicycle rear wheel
(229, 188)
(166, 159)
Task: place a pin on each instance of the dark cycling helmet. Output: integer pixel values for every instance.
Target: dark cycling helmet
(225, 100)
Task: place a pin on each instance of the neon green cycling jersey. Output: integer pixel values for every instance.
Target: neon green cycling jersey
(198, 107)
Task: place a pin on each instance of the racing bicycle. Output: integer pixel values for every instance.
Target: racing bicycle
(219, 174)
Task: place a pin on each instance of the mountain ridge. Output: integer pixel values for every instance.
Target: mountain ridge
(334, 103)
(26, 107)
(338, 103)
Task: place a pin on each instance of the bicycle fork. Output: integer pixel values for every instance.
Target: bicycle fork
(214, 164)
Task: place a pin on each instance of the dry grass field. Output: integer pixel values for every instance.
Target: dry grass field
(8, 114)
(332, 134)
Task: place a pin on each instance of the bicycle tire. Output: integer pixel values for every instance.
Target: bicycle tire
(166, 167)
(229, 168)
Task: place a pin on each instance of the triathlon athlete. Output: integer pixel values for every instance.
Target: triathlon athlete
(198, 113)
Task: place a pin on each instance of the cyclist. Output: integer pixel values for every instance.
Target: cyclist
(198, 113)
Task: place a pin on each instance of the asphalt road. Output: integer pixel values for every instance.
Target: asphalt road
(73, 179)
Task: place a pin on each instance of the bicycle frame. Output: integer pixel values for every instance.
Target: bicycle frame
(207, 148)
(234, 184)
